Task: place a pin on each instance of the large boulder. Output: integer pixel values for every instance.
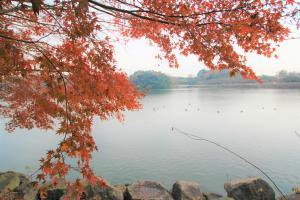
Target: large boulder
(15, 185)
(96, 192)
(9, 181)
(104, 193)
(146, 190)
(26, 188)
(121, 187)
(185, 190)
(249, 189)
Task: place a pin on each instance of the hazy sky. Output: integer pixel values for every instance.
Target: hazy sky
(139, 55)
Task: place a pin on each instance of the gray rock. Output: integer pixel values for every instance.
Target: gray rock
(146, 190)
(91, 192)
(25, 185)
(185, 190)
(249, 189)
(52, 193)
(16, 185)
(30, 195)
(9, 181)
(120, 187)
(104, 193)
(55, 194)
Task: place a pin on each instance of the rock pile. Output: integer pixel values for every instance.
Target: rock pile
(17, 186)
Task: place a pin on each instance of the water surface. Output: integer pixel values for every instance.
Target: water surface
(259, 124)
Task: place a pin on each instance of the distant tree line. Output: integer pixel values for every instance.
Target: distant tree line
(284, 76)
(147, 80)
(223, 77)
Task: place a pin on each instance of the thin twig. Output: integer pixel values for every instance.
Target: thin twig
(297, 134)
(195, 137)
(34, 173)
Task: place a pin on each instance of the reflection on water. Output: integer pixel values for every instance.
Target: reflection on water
(259, 124)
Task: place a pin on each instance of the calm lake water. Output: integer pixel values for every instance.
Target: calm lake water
(259, 124)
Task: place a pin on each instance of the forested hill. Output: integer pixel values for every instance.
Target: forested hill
(148, 80)
(224, 76)
(158, 80)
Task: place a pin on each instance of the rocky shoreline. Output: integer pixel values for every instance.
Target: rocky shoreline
(15, 186)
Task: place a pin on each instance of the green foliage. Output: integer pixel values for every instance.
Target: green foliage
(150, 80)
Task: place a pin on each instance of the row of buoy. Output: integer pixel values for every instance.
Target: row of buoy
(218, 111)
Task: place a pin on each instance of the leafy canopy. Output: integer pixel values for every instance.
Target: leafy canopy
(147, 80)
(57, 60)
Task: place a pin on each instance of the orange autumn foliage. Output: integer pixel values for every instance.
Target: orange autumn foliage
(57, 60)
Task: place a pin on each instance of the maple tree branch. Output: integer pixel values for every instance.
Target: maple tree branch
(30, 20)
(54, 67)
(56, 20)
(163, 20)
(66, 103)
(164, 16)
(141, 10)
(13, 9)
(104, 11)
(130, 13)
(29, 41)
(64, 83)
(16, 39)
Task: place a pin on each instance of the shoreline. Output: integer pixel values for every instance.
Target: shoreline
(14, 185)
